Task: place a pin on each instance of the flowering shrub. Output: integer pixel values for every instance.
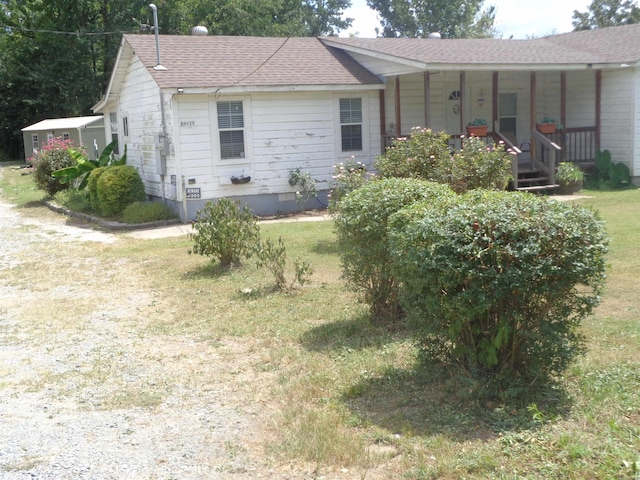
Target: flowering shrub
(346, 178)
(428, 155)
(51, 157)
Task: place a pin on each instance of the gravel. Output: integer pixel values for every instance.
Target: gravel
(102, 398)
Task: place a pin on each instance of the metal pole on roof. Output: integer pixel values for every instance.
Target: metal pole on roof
(156, 28)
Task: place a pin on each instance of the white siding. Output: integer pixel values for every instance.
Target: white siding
(581, 99)
(618, 104)
(283, 131)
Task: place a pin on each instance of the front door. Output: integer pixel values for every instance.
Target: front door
(452, 108)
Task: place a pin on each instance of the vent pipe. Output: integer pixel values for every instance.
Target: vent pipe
(155, 28)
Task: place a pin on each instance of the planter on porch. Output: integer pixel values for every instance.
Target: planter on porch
(477, 130)
(546, 127)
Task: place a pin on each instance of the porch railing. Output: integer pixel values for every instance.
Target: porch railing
(545, 155)
(578, 144)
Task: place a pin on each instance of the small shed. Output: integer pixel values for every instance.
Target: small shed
(88, 131)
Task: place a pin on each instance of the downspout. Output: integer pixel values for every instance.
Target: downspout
(163, 143)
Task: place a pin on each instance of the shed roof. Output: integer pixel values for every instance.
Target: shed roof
(223, 61)
(63, 123)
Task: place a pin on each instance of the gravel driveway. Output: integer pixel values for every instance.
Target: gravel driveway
(87, 391)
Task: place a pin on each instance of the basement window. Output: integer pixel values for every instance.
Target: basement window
(351, 124)
(231, 129)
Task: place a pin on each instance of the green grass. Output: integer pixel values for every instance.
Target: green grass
(339, 393)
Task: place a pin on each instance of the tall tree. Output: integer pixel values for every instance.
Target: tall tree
(450, 18)
(606, 13)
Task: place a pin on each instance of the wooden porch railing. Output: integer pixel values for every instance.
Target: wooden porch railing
(578, 144)
(545, 155)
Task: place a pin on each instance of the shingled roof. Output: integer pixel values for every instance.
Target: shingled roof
(613, 45)
(222, 61)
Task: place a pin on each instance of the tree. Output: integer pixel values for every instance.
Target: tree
(450, 18)
(606, 13)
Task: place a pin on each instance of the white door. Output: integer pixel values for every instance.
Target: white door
(452, 108)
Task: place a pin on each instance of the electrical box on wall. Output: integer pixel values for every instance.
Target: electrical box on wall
(162, 150)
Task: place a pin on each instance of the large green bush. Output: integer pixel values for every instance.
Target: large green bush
(143, 212)
(429, 156)
(56, 154)
(361, 227)
(225, 232)
(92, 188)
(119, 186)
(498, 283)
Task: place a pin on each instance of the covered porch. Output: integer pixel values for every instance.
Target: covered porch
(513, 104)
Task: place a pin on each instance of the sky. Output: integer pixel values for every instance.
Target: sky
(517, 18)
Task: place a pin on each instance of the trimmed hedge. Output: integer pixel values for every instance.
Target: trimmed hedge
(498, 283)
(118, 187)
(361, 227)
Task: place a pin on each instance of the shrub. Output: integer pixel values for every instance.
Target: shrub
(92, 188)
(427, 155)
(361, 227)
(51, 157)
(499, 282)
(143, 212)
(416, 156)
(224, 232)
(118, 187)
(273, 256)
(74, 199)
(346, 178)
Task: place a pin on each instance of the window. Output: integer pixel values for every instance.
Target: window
(351, 124)
(113, 121)
(231, 129)
(35, 141)
(49, 137)
(65, 136)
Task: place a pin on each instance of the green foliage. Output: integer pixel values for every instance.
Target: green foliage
(416, 156)
(307, 186)
(606, 13)
(569, 173)
(346, 178)
(118, 187)
(79, 173)
(92, 187)
(225, 232)
(361, 227)
(498, 283)
(609, 174)
(75, 200)
(451, 18)
(427, 155)
(54, 155)
(273, 256)
(477, 122)
(143, 212)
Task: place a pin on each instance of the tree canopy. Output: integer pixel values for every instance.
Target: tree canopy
(606, 13)
(450, 18)
(56, 56)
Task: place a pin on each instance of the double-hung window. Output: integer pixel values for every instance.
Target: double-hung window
(35, 141)
(351, 124)
(231, 129)
(113, 121)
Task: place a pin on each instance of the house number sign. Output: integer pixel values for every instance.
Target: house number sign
(193, 192)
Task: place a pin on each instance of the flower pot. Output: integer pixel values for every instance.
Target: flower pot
(569, 188)
(546, 127)
(240, 180)
(477, 130)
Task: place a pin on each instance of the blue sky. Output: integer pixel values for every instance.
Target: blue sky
(517, 18)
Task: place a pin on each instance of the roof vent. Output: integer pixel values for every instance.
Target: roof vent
(435, 35)
(199, 31)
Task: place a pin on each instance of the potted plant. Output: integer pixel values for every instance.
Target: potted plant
(477, 127)
(547, 125)
(569, 177)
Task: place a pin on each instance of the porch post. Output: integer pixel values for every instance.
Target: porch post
(494, 101)
(532, 113)
(462, 89)
(398, 111)
(383, 120)
(427, 97)
(563, 110)
(598, 107)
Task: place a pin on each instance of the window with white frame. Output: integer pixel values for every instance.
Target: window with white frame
(113, 122)
(231, 129)
(49, 137)
(65, 136)
(351, 124)
(35, 142)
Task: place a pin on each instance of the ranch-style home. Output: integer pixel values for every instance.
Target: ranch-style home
(206, 117)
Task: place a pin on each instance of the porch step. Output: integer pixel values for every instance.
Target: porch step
(537, 188)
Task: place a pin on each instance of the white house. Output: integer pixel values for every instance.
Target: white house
(208, 108)
(87, 131)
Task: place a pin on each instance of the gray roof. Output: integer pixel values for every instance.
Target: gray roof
(222, 61)
(613, 45)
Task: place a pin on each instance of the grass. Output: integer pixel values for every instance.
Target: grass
(342, 395)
